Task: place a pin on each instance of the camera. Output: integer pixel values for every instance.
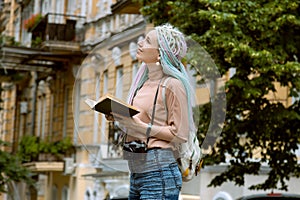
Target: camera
(132, 148)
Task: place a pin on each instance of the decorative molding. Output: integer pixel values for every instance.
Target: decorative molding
(132, 50)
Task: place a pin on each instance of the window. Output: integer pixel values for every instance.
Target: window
(54, 193)
(96, 115)
(41, 110)
(71, 7)
(65, 193)
(41, 115)
(66, 108)
(83, 7)
(22, 122)
(105, 82)
(17, 25)
(76, 108)
(59, 8)
(103, 7)
(119, 83)
(28, 11)
(46, 5)
(104, 30)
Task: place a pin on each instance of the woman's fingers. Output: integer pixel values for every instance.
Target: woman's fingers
(109, 117)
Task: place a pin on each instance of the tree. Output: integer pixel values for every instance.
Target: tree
(261, 41)
(12, 170)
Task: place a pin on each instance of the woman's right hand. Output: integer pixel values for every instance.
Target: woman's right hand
(110, 117)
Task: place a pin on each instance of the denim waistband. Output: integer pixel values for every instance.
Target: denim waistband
(154, 159)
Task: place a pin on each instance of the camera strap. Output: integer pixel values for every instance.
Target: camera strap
(153, 113)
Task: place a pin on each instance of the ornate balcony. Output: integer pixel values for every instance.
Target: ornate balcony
(58, 31)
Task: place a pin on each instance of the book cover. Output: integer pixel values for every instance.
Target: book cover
(109, 104)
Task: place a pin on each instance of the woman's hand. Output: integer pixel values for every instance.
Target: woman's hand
(110, 117)
(132, 123)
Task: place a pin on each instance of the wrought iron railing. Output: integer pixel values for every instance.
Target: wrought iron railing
(59, 27)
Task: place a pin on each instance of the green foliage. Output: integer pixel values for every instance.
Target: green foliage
(8, 40)
(261, 40)
(36, 42)
(11, 169)
(30, 147)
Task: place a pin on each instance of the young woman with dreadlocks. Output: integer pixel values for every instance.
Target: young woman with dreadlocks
(165, 118)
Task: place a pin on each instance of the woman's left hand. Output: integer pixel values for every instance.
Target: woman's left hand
(132, 123)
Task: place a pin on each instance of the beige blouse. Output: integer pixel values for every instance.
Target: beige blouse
(166, 130)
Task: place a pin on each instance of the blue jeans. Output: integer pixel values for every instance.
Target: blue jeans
(157, 177)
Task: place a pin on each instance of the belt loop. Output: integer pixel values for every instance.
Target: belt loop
(156, 153)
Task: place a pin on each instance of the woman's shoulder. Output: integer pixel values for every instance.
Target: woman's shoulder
(172, 82)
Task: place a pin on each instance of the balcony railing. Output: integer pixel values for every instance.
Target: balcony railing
(58, 27)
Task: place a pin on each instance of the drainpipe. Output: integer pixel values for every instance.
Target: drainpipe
(34, 94)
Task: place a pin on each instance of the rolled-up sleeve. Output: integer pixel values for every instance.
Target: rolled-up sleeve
(177, 128)
(178, 119)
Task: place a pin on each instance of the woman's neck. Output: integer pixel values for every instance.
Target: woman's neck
(155, 72)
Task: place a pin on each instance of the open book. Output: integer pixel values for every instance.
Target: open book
(108, 104)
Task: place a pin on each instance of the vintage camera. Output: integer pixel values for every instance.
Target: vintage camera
(134, 150)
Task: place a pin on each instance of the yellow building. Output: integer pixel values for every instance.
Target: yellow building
(55, 54)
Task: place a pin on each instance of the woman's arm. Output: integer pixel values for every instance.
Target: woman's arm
(177, 128)
(178, 121)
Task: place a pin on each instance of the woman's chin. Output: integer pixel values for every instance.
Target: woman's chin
(139, 58)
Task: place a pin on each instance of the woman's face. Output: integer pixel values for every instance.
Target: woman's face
(148, 48)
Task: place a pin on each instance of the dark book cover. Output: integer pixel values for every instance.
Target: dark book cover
(108, 104)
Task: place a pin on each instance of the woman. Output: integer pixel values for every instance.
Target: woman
(155, 173)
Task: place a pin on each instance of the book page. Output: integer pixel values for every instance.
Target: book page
(91, 103)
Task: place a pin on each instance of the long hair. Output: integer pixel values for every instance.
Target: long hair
(172, 48)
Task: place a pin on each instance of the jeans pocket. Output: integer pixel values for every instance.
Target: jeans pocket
(176, 175)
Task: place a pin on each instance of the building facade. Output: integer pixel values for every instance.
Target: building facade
(55, 54)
